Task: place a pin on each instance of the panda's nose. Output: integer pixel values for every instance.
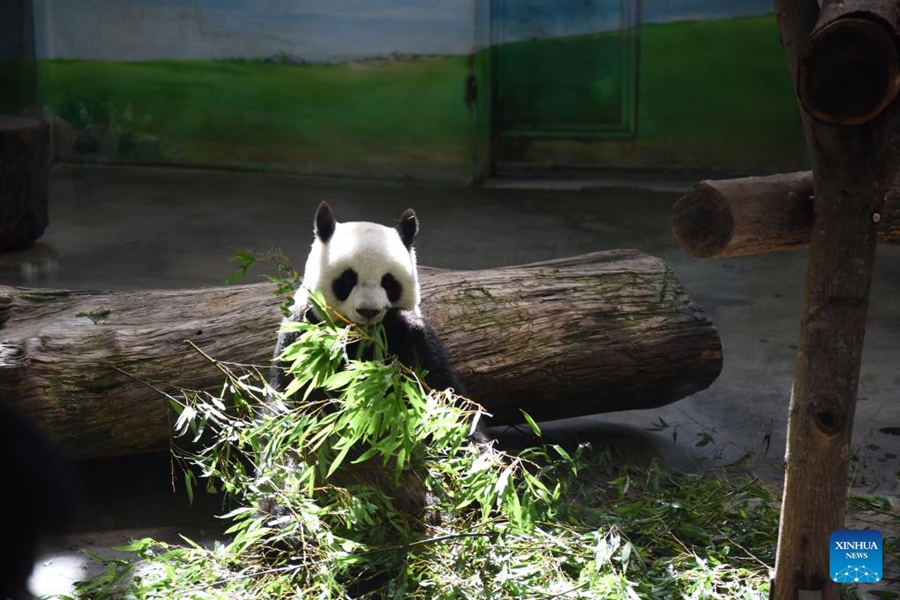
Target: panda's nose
(368, 313)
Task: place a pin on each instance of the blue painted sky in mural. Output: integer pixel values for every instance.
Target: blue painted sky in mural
(321, 30)
(314, 30)
(529, 19)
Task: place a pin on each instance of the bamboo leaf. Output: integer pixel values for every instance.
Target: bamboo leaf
(534, 426)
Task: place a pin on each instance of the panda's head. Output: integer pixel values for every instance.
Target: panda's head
(362, 269)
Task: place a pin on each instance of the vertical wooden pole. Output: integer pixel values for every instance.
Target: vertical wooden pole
(849, 141)
(823, 400)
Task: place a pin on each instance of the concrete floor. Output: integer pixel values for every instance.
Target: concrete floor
(131, 228)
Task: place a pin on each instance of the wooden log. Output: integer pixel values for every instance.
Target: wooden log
(583, 335)
(24, 173)
(754, 215)
(852, 151)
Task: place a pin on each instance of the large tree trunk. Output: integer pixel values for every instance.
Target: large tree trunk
(754, 215)
(845, 63)
(590, 334)
(24, 171)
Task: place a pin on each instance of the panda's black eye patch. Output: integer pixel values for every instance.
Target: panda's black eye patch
(392, 287)
(343, 285)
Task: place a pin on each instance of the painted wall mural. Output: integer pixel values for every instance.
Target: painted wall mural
(405, 89)
(664, 84)
(348, 87)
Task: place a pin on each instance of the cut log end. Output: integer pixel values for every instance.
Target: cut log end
(702, 221)
(849, 71)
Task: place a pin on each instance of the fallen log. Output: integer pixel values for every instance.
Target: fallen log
(589, 334)
(754, 215)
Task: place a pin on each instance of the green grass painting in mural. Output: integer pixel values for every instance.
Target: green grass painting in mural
(710, 93)
(391, 118)
(719, 86)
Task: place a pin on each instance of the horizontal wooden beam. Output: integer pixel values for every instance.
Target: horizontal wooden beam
(754, 215)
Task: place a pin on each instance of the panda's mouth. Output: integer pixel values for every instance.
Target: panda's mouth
(369, 316)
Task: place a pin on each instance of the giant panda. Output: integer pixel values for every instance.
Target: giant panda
(367, 273)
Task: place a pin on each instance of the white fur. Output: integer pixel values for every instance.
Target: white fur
(371, 250)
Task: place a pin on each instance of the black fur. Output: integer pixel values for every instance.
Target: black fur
(416, 344)
(392, 287)
(408, 227)
(325, 222)
(39, 499)
(343, 285)
(278, 376)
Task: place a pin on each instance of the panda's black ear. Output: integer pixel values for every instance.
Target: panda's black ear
(408, 227)
(324, 222)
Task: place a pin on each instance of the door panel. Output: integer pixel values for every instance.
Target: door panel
(565, 68)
